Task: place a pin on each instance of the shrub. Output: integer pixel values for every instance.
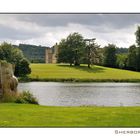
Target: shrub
(26, 97)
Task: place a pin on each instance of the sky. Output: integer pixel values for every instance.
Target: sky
(47, 29)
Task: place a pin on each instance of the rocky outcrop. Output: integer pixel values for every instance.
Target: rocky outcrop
(8, 82)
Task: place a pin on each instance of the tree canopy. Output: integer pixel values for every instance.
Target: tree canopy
(91, 52)
(110, 55)
(15, 56)
(71, 49)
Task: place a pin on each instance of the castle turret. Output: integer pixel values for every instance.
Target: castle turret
(51, 54)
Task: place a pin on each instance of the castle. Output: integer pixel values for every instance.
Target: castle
(51, 54)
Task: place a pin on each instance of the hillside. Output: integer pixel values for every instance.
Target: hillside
(59, 72)
(35, 54)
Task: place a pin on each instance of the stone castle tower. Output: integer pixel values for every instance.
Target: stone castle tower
(51, 54)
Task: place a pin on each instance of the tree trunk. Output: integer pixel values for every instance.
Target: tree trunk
(76, 64)
(88, 65)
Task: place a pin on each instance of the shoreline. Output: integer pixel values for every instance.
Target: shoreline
(74, 80)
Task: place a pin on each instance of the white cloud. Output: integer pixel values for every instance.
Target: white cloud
(32, 33)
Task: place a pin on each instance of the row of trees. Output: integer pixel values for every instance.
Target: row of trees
(15, 56)
(129, 60)
(76, 50)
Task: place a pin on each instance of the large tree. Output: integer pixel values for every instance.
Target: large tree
(110, 55)
(91, 52)
(137, 33)
(71, 49)
(138, 59)
(122, 60)
(65, 53)
(132, 58)
(15, 56)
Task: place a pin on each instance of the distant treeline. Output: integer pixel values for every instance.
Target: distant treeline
(121, 50)
(35, 54)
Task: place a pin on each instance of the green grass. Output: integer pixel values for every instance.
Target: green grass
(25, 115)
(56, 72)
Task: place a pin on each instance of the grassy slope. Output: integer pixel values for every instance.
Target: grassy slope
(53, 71)
(33, 115)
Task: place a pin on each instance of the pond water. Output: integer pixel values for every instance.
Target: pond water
(84, 94)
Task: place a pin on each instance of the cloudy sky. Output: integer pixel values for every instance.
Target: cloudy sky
(47, 29)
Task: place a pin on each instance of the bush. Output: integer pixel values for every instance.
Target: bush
(22, 68)
(26, 97)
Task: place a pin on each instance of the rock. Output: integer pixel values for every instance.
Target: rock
(8, 82)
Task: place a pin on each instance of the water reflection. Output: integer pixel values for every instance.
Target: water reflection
(80, 94)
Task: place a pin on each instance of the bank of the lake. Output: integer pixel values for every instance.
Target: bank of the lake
(66, 73)
(25, 115)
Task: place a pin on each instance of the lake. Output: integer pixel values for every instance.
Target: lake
(84, 94)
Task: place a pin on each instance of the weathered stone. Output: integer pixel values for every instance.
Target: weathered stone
(8, 82)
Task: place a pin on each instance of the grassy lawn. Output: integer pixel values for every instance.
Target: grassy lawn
(23, 115)
(56, 72)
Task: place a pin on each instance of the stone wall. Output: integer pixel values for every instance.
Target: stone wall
(51, 54)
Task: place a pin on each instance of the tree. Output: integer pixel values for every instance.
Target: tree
(137, 33)
(122, 61)
(92, 54)
(23, 67)
(65, 53)
(71, 49)
(110, 55)
(138, 59)
(14, 56)
(132, 58)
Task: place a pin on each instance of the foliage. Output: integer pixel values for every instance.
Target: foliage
(8, 53)
(35, 54)
(23, 67)
(122, 61)
(92, 52)
(65, 52)
(138, 59)
(15, 56)
(26, 97)
(71, 49)
(121, 50)
(110, 55)
(137, 33)
(132, 58)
